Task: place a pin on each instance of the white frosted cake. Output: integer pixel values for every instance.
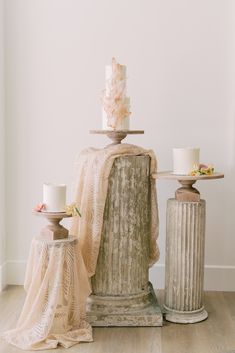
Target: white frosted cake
(115, 103)
(54, 197)
(184, 160)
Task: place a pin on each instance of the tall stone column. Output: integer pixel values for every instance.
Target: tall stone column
(121, 292)
(185, 242)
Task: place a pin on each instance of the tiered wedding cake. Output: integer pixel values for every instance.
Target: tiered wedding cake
(115, 103)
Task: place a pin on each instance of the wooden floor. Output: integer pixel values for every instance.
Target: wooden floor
(215, 335)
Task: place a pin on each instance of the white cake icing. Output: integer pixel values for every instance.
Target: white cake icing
(115, 112)
(184, 159)
(122, 125)
(54, 197)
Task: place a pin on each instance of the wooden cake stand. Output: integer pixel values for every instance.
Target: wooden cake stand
(54, 230)
(187, 192)
(116, 135)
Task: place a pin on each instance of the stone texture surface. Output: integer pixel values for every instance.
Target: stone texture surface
(185, 261)
(122, 294)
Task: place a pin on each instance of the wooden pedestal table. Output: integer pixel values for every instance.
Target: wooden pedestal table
(121, 292)
(185, 243)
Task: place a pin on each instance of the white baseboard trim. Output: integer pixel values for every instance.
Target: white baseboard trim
(217, 278)
(220, 278)
(3, 276)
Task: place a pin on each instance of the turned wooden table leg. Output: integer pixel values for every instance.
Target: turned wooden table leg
(54, 230)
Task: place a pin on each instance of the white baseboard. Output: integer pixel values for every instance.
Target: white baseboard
(3, 276)
(217, 278)
(220, 278)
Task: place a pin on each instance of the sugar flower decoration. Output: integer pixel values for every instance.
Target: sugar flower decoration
(40, 207)
(202, 169)
(114, 100)
(72, 210)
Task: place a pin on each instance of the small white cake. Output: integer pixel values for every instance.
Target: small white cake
(184, 159)
(54, 197)
(115, 103)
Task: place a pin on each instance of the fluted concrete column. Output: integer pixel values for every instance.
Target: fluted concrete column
(185, 243)
(121, 292)
(185, 261)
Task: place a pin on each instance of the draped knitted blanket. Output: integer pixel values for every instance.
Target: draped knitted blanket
(92, 171)
(57, 276)
(57, 286)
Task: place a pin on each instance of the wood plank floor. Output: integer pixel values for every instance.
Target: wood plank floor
(215, 335)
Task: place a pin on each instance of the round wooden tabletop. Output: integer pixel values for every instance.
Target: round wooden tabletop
(52, 214)
(128, 132)
(171, 176)
(116, 135)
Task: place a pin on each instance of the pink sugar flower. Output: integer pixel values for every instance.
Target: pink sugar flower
(39, 207)
(203, 166)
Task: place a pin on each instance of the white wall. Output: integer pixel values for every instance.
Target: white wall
(2, 150)
(180, 69)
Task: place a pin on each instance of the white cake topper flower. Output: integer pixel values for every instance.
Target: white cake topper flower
(72, 210)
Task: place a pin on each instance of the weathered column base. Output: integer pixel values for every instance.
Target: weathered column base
(185, 317)
(132, 310)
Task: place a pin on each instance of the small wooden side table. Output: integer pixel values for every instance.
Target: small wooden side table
(185, 244)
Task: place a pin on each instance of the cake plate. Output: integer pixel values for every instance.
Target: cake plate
(187, 192)
(116, 135)
(54, 230)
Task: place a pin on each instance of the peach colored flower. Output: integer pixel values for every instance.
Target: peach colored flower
(202, 169)
(40, 207)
